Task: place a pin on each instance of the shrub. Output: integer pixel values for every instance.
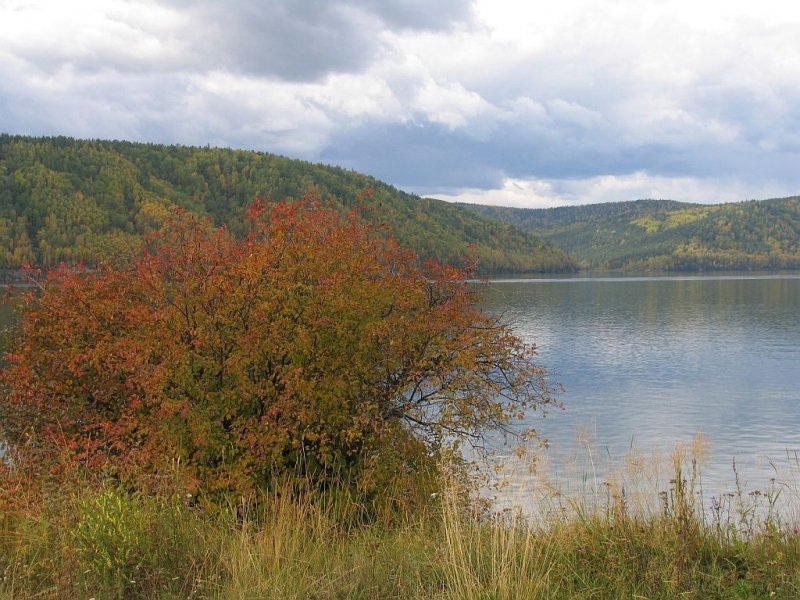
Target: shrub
(315, 344)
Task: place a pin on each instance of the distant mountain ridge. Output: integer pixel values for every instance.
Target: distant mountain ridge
(668, 235)
(63, 199)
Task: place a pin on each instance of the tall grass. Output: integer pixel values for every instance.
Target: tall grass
(88, 542)
(106, 543)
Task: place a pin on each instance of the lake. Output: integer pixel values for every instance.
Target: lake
(650, 362)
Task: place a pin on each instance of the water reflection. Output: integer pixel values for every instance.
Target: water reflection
(649, 362)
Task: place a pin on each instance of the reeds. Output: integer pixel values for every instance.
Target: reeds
(618, 542)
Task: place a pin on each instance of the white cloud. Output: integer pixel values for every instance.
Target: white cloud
(540, 193)
(359, 98)
(94, 35)
(572, 112)
(293, 125)
(448, 104)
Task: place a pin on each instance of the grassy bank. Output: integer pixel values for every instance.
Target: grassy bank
(106, 543)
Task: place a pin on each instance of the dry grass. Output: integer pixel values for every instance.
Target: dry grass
(616, 541)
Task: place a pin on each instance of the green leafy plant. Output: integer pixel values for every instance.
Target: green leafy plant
(108, 538)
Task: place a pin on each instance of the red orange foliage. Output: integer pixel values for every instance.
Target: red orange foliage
(315, 341)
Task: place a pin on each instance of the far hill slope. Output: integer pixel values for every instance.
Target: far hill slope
(663, 234)
(65, 200)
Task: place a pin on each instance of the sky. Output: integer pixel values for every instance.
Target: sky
(514, 103)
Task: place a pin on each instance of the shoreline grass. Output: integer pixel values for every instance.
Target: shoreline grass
(107, 543)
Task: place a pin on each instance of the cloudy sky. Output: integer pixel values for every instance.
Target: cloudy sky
(498, 101)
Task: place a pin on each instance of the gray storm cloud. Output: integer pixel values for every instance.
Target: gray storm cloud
(305, 40)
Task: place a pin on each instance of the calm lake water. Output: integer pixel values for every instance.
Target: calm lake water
(649, 362)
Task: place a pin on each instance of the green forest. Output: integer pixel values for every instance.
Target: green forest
(668, 235)
(68, 200)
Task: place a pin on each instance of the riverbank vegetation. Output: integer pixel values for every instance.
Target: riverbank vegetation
(279, 415)
(87, 541)
(314, 345)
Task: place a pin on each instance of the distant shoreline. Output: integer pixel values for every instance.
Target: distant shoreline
(620, 275)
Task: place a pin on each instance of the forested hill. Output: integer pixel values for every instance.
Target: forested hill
(663, 234)
(67, 200)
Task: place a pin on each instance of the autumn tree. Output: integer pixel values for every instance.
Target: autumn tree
(316, 342)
